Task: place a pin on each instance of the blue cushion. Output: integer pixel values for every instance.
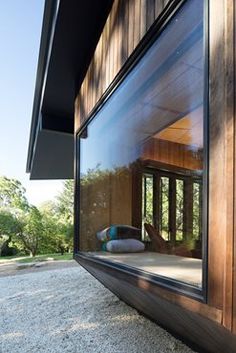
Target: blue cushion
(113, 233)
(104, 246)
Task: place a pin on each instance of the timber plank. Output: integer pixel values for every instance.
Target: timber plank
(146, 297)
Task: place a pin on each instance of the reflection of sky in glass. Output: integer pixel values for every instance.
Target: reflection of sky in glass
(165, 86)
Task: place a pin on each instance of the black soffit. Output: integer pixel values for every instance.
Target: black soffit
(70, 32)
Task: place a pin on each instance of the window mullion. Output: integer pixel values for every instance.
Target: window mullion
(172, 210)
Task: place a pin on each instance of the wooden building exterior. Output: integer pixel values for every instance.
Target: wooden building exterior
(203, 317)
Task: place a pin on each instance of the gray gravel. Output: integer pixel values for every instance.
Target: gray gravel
(68, 311)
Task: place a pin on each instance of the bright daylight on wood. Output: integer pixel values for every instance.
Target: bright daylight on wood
(117, 176)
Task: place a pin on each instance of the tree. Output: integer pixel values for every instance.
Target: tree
(64, 209)
(31, 230)
(12, 195)
(13, 204)
(9, 226)
(52, 240)
(34, 230)
(20, 221)
(65, 201)
(58, 227)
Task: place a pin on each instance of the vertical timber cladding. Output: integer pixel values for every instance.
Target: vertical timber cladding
(221, 272)
(126, 24)
(233, 23)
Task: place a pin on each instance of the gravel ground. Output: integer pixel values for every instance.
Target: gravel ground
(67, 311)
(13, 268)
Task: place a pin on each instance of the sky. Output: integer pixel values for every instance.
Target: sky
(20, 31)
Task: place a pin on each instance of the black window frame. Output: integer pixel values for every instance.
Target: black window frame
(159, 25)
(173, 177)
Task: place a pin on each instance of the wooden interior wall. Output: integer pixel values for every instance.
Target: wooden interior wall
(121, 197)
(172, 153)
(221, 257)
(104, 200)
(127, 23)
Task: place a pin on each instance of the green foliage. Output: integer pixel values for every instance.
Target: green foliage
(3, 240)
(65, 201)
(197, 210)
(179, 209)
(31, 233)
(13, 204)
(8, 227)
(55, 239)
(58, 220)
(164, 226)
(20, 221)
(9, 224)
(65, 211)
(12, 195)
(46, 257)
(147, 203)
(33, 230)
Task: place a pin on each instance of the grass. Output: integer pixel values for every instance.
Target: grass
(3, 258)
(37, 258)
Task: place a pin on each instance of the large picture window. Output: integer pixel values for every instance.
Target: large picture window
(142, 160)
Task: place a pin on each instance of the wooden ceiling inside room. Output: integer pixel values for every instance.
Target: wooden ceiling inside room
(186, 131)
(155, 99)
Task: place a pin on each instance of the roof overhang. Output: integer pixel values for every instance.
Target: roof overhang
(70, 32)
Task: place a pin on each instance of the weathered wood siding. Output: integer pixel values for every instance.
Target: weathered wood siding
(166, 308)
(221, 271)
(232, 240)
(127, 23)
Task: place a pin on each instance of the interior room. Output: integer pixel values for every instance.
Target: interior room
(143, 161)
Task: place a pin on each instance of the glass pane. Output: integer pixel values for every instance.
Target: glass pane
(147, 203)
(179, 209)
(153, 121)
(196, 211)
(164, 207)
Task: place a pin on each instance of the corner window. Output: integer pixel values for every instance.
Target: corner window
(142, 161)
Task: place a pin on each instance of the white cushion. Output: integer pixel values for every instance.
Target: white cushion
(102, 235)
(125, 245)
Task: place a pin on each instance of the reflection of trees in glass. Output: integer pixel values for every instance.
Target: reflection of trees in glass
(97, 183)
(147, 202)
(179, 209)
(164, 207)
(93, 174)
(95, 192)
(196, 211)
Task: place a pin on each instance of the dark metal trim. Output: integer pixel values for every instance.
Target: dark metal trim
(57, 123)
(157, 174)
(48, 29)
(168, 168)
(205, 189)
(160, 281)
(150, 37)
(76, 194)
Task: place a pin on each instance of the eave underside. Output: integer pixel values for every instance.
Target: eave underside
(68, 40)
